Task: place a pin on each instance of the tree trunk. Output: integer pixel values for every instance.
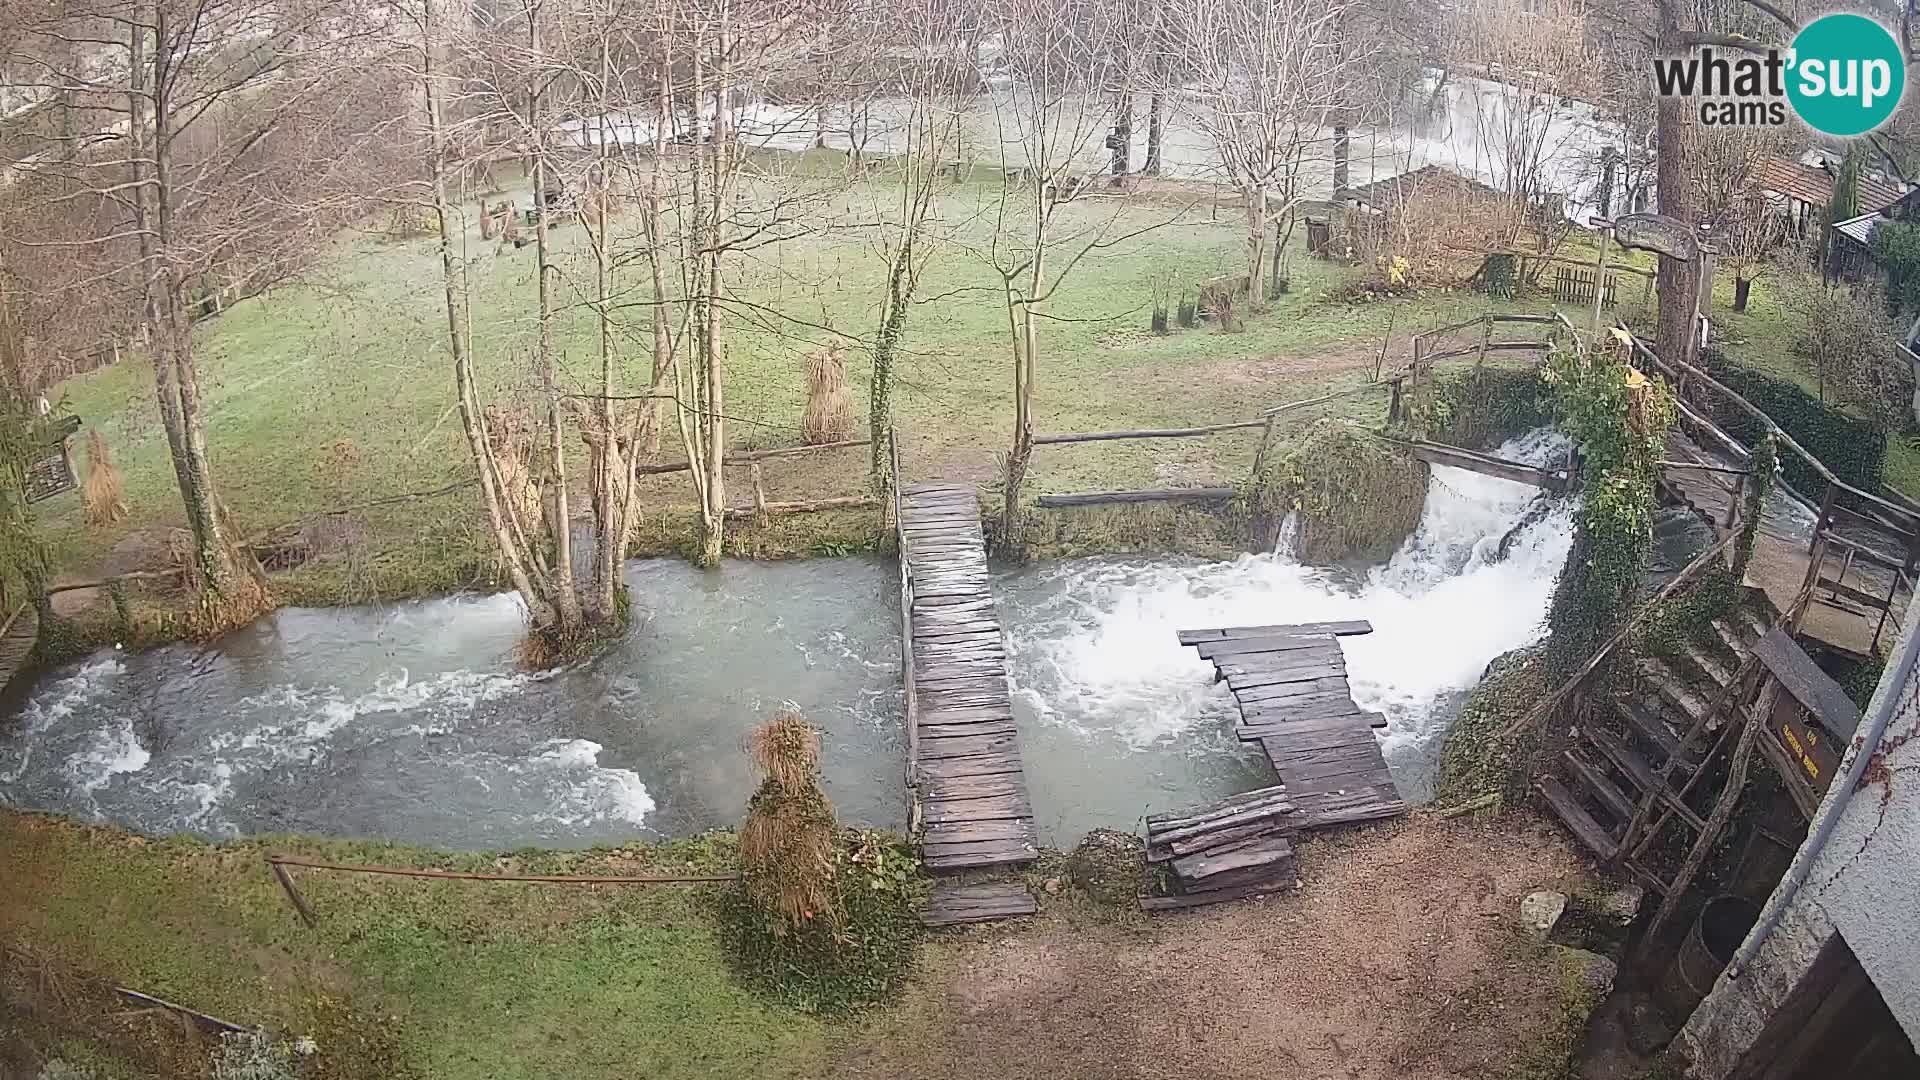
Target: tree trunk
(512, 551)
(1256, 198)
(1156, 106)
(233, 589)
(1678, 282)
(559, 527)
(1123, 134)
(1342, 152)
(1741, 286)
(893, 324)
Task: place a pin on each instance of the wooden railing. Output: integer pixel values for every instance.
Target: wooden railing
(1886, 528)
(912, 702)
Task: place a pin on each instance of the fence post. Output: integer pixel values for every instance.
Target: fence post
(300, 906)
(1266, 440)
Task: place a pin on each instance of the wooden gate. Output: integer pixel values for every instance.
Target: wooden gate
(1575, 285)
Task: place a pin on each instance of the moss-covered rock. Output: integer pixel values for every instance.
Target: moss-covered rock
(1357, 495)
(1109, 866)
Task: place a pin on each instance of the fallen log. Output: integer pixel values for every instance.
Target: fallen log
(1103, 498)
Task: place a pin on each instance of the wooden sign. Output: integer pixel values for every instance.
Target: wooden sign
(1657, 232)
(1808, 745)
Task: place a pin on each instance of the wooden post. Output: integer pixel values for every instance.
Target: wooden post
(759, 492)
(1733, 505)
(1266, 440)
(300, 906)
(1722, 810)
(1393, 406)
(1486, 337)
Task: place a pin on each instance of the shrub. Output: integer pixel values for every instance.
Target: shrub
(1854, 448)
(1357, 496)
(1845, 334)
(823, 919)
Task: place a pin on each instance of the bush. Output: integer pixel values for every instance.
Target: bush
(1357, 496)
(1485, 405)
(1855, 449)
(1845, 334)
(836, 968)
(823, 919)
(1896, 247)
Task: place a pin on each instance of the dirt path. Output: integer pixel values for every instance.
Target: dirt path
(1400, 957)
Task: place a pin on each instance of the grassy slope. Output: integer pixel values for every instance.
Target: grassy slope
(337, 391)
(459, 980)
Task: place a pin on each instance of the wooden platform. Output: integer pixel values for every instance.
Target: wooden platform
(1290, 682)
(952, 903)
(963, 758)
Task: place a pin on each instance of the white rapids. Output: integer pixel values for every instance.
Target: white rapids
(1095, 657)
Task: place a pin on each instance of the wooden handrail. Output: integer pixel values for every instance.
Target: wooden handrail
(1780, 435)
(1546, 704)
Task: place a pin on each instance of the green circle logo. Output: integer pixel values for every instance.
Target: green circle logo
(1846, 74)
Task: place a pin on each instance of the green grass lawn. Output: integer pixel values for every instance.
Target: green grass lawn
(337, 390)
(405, 978)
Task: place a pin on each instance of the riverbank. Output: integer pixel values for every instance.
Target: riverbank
(1400, 955)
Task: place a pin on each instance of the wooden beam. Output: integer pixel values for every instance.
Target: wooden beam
(1107, 498)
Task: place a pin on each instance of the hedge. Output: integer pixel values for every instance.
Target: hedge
(1853, 448)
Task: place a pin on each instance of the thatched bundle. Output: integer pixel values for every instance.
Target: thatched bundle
(510, 437)
(103, 495)
(787, 845)
(829, 415)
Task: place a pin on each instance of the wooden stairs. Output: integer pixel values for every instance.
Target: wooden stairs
(1633, 765)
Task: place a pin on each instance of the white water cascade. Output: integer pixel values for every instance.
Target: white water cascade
(1095, 657)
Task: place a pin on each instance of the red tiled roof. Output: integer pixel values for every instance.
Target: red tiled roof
(1810, 184)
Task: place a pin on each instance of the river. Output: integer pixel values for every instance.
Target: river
(410, 722)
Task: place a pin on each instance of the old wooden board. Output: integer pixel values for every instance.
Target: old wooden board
(1289, 681)
(970, 793)
(952, 903)
(1341, 629)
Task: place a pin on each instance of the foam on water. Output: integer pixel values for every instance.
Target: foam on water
(1099, 654)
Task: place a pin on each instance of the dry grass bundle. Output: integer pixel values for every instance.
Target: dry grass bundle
(787, 845)
(829, 415)
(103, 495)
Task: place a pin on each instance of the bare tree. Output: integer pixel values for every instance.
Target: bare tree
(1267, 81)
(1540, 73)
(1062, 57)
(219, 142)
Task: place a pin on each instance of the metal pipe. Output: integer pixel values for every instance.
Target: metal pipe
(1886, 698)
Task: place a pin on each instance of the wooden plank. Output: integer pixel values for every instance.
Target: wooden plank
(1300, 738)
(973, 787)
(1265, 810)
(1340, 628)
(978, 727)
(962, 714)
(1285, 824)
(1810, 686)
(1154, 904)
(1322, 809)
(978, 765)
(990, 808)
(1575, 818)
(1231, 802)
(1292, 673)
(968, 746)
(1287, 696)
(1272, 644)
(1264, 852)
(943, 857)
(1210, 650)
(1272, 726)
(953, 903)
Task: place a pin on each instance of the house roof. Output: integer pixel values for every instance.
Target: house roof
(1861, 229)
(1813, 184)
(1390, 193)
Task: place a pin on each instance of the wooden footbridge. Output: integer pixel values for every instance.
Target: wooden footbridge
(963, 752)
(1290, 682)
